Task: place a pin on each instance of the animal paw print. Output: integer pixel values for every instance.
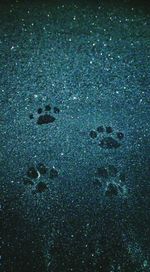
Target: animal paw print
(111, 181)
(45, 116)
(37, 177)
(108, 140)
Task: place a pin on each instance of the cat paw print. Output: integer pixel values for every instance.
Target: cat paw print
(46, 115)
(107, 138)
(110, 181)
(37, 177)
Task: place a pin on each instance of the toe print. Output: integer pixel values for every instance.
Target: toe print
(109, 129)
(113, 141)
(100, 129)
(102, 172)
(53, 173)
(93, 134)
(42, 168)
(32, 173)
(120, 135)
(37, 177)
(112, 170)
(110, 181)
(46, 116)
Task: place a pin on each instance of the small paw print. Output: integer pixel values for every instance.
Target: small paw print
(108, 139)
(37, 177)
(110, 181)
(45, 116)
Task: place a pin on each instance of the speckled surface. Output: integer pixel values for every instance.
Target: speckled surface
(75, 142)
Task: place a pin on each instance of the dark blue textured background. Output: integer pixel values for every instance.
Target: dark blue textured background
(91, 60)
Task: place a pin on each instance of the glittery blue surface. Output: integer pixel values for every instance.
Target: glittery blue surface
(75, 136)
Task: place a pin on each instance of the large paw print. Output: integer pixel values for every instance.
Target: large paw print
(108, 139)
(110, 181)
(45, 116)
(37, 177)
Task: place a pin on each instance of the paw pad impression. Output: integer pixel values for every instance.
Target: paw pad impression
(38, 176)
(46, 115)
(107, 139)
(110, 180)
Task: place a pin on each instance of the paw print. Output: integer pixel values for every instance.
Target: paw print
(110, 181)
(108, 139)
(45, 116)
(37, 177)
